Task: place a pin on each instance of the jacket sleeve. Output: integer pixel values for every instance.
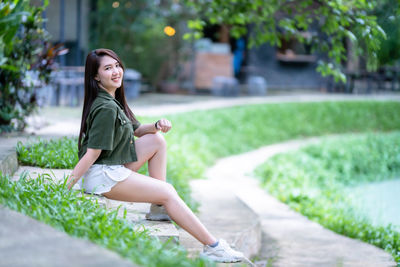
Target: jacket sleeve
(102, 128)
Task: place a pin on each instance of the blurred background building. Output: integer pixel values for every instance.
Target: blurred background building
(147, 35)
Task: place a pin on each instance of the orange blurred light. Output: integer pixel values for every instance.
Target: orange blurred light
(115, 4)
(168, 30)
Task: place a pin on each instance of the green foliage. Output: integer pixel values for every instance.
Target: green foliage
(21, 43)
(317, 181)
(61, 153)
(330, 21)
(387, 12)
(82, 216)
(135, 30)
(202, 136)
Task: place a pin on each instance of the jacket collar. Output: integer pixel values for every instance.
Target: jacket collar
(105, 95)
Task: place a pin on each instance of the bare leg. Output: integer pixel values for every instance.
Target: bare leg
(151, 148)
(139, 188)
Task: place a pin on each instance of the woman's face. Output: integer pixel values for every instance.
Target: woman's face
(110, 73)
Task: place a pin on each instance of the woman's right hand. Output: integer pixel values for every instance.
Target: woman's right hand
(83, 165)
(164, 125)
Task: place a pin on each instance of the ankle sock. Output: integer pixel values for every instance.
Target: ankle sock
(214, 245)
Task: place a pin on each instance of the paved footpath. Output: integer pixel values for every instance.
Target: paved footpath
(290, 239)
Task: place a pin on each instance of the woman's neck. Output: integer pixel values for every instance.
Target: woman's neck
(110, 91)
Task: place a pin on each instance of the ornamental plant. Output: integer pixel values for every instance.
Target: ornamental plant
(25, 60)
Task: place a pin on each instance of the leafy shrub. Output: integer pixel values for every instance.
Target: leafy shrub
(23, 59)
(389, 51)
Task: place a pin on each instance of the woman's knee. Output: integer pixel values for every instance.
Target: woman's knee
(158, 139)
(169, 193)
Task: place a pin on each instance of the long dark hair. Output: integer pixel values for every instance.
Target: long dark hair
(91, 87)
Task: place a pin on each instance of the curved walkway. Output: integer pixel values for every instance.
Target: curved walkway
(291, 239)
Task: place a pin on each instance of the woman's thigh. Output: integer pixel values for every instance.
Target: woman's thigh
(139, 188)
(145, 146)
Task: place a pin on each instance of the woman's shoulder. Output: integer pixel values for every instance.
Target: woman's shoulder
(102, 107)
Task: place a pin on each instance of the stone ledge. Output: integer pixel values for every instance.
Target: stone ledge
(27, 242)
(135, 211)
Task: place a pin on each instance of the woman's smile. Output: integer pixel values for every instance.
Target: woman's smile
(116, 79)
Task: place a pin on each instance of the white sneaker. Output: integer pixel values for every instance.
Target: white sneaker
(222, 253)
(157, 213)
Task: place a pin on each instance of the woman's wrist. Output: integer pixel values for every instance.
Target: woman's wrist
(156, 125)
(71, 181)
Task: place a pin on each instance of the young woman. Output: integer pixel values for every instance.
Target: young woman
(109, 157)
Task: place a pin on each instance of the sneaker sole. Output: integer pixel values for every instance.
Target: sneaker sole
(218, 259)
(162, 218)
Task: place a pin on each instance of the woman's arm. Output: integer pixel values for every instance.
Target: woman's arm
(163, 125)
(83, 165)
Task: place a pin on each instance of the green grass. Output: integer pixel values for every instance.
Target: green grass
(317, 181)
(199, 138)
(82, 216)
(58, 153)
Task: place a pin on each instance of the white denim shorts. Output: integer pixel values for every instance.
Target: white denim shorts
(101, 178)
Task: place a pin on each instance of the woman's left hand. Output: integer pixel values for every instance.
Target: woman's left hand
(164, 125)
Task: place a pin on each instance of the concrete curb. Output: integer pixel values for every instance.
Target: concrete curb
(226, 217)
(27, 242)
(135, 211)
(248, 240)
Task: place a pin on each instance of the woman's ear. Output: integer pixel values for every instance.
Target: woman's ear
(97, 78)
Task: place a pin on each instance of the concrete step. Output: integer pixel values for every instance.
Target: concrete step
(226, 217)
(135, 211)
